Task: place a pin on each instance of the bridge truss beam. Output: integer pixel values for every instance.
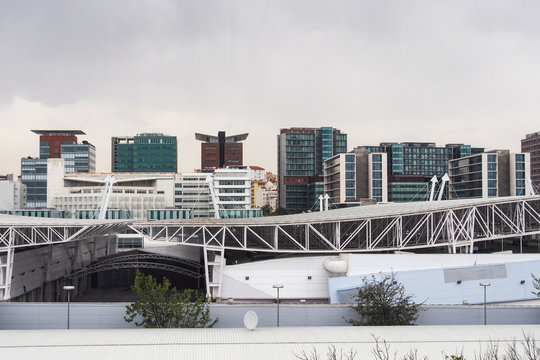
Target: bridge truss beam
(453, 228)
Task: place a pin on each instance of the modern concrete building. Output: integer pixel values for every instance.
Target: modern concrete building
(531, 145)
(355, 176)
(491, 174)
(132, 195)
(12, 193)
(55, 144)
(144, 153)
(192, 192)
(225, 191)
(221, 151)
(301, 156)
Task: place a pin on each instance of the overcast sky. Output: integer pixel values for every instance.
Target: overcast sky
(441, 71)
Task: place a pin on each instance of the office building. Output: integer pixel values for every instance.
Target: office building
(490, 174)
(301, 156)
(531, 145)
(411, 165)
(355, 177)
(144, 153)
(54, 144)
(221, 151)
(51, 141)
(226, 192)
(79, 158)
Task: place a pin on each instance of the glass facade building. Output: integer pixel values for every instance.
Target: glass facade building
(79, 158)
(301, 156)
(55, 144)
(144, 153)
(34, 176)
(411, 165)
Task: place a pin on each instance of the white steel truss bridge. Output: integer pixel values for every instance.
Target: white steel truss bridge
(455, 225)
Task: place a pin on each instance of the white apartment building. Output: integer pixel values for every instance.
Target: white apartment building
(227, 191)
(257, 173)
(490, 174)
(356, 176)
(133, 192)
(12, 193)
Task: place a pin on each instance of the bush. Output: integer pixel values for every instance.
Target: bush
(160, 306)
(384, 302)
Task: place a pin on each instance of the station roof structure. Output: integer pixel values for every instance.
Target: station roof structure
(356, 213)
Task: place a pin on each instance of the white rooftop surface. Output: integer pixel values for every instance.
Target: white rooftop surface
(353, 213)
(262, 343)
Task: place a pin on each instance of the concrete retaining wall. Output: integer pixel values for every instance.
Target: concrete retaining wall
(111, 315)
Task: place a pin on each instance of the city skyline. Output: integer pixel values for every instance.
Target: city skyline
(370, 69)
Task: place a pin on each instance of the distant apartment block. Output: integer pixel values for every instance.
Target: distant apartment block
(144, 153)
(301, 156)
(531, 145)
(54, 144)
(221, 151)
(356, 176)
(490, 174)
(411, 165)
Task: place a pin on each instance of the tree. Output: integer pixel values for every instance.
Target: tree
(266, 210)
(384, 302)
(280, 211)
(536, 284)
(160, 306)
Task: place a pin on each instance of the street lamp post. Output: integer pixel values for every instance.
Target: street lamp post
(278, 286)
(68, 288)
(485, 285)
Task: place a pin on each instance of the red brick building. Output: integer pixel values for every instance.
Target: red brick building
(221, 151)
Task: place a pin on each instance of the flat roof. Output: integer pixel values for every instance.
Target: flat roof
(261, 343)
(74, 132)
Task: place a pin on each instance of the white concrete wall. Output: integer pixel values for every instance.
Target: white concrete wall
(291, 272)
